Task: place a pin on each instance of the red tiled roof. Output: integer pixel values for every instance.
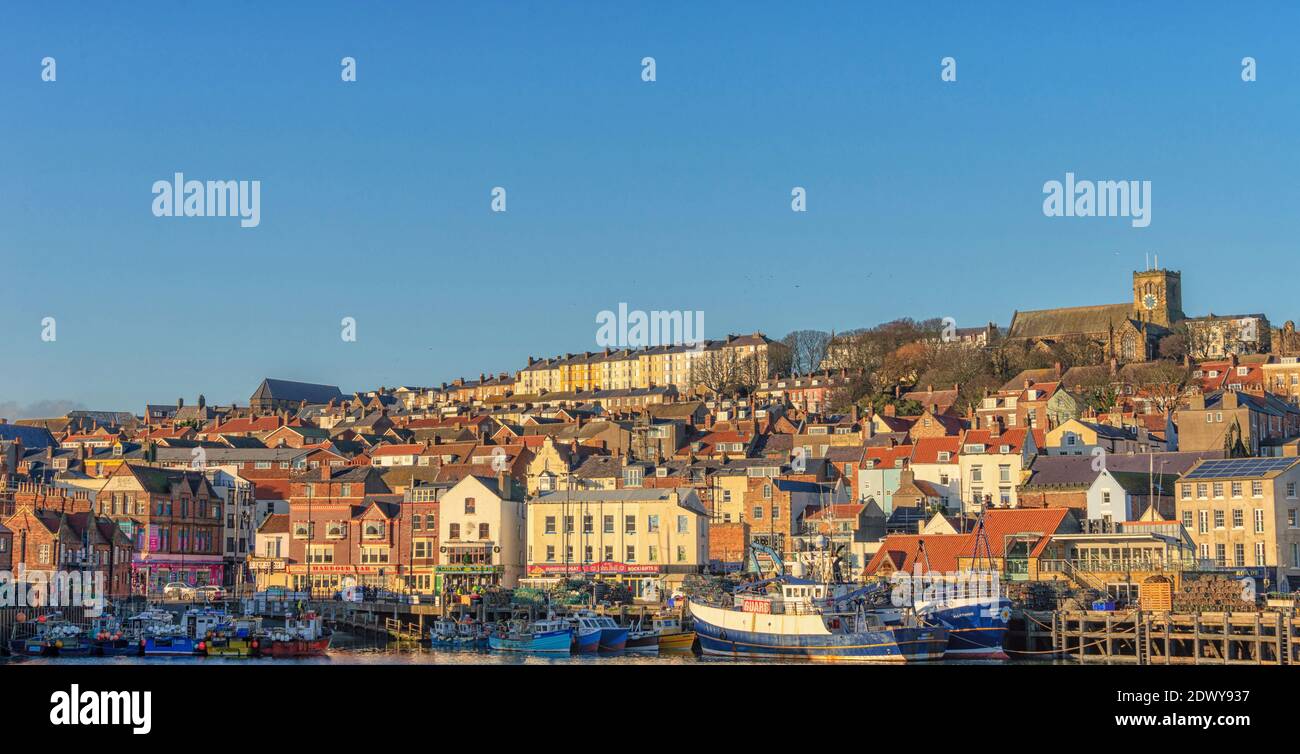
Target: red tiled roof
(1015, 438)
(943, 550)
(397, 450)
(886, 455)
(926, 449)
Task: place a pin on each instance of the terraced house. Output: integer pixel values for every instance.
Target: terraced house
(653, 366)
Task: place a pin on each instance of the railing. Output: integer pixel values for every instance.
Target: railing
(1119, 565)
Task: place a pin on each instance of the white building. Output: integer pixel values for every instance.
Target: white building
(481, 533)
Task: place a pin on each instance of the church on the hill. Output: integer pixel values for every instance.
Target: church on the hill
(1129, 331)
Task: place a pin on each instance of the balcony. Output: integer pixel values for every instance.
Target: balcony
(1123, 565)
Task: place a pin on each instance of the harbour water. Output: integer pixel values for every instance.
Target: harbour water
(352, 650)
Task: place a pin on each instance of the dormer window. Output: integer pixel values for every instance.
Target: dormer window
(1004, 448)
(944, 456)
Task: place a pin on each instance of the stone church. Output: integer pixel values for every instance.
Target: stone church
(1129, 331)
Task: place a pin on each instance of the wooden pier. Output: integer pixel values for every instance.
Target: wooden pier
(1159, 638)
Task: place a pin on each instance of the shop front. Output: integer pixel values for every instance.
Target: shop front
(645, 582)
(150, 574)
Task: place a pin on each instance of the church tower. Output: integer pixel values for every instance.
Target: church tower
(1158, 297)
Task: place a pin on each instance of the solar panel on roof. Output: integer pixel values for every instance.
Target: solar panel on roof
(1239, 467)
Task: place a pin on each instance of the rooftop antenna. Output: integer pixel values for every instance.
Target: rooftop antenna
(1157, 261)
(1148, 261)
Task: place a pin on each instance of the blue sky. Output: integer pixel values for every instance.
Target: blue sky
(924, 197)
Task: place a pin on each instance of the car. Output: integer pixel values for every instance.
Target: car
(178, 590)
(210, 593)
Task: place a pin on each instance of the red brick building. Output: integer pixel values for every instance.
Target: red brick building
(174, 521)
(66, 538)
(347, 528)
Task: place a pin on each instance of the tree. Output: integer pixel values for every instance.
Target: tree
(715, 371)
(1099, 391)
(1163, 383)
(1173, 346)
(807, 351)
(747, 375)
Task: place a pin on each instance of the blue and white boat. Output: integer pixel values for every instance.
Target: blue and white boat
(799, 622)
(548, 636)
(968, 603)
(167, 640)
(977, 626)
(586, 633)
(611, 637)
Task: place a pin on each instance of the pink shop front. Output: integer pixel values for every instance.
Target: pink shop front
(150, 573)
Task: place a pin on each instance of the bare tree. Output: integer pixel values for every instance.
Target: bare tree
(716, 370)
(1163, 383)
(807, 350)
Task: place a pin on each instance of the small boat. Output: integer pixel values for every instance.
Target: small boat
(167, 640)
(234, 638)
(49, 635)
(206, 627)
(453, 634)
(109, 638)
(613, 637)
(642, 640)
(586, 633)
(304, 637)
(672, 637)
(799, 621)
(550, 636)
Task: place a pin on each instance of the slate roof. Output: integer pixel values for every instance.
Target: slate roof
(288, 390)
(1045, 323)
(32, 437)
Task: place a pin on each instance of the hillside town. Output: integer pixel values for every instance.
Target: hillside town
(1099, 448)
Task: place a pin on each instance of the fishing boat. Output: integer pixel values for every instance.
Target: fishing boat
(800, 620)
(235, 637)
(161, 637)
(304, 637)
(613, 637)
(977, 626)
(672, 637)
(642, 640)
(586, 633)
(450, 633)
(968, 604)
(109, 638)
(49, 635)
(550, 636)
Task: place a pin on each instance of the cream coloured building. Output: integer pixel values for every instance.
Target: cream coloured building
(1244, 513)
(652, 538)
(640, 368)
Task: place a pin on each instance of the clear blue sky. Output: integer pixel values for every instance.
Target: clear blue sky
(924, 197)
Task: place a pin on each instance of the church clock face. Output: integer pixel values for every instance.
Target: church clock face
(1149, 301)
